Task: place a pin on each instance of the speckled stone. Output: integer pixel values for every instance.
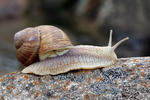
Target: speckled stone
(128, 79)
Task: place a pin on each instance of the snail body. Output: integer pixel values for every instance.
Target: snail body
(72, 57)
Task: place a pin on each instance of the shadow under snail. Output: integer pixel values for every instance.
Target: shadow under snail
(46, 50)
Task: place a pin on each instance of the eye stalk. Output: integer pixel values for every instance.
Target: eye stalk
(118, 43)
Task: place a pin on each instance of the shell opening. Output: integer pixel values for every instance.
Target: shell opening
(54, 53)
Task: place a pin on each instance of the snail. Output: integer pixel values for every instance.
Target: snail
(46, 50)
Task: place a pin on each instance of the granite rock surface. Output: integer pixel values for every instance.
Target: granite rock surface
(128, 79)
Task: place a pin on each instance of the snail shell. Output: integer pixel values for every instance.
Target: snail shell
(37, 43)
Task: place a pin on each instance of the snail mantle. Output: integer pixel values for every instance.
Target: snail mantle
(128, 80)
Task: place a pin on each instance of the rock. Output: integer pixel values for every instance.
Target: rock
(128, 79)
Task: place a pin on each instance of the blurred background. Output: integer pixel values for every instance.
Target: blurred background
(85, 22)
